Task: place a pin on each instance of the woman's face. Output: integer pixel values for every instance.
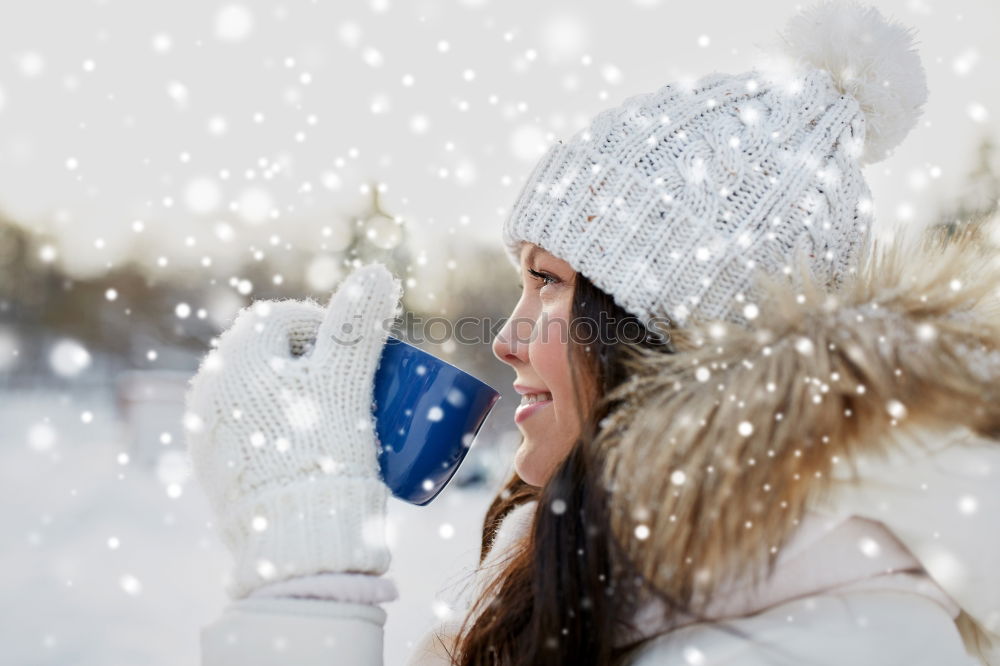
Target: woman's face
(535, 341)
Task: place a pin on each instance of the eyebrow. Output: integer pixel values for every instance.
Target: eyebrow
(531, 254)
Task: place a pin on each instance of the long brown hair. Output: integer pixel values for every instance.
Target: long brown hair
(561, 594)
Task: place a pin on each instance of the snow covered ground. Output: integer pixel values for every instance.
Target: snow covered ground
(110, 561)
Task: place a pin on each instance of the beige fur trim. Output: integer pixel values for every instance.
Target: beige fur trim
(719, 449)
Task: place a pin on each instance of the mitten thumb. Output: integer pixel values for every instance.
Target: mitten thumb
(359, 315)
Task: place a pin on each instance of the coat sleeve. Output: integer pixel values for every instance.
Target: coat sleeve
(272, 630)
(306, 632)
(311, 632)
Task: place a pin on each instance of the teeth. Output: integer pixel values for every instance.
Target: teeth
(532, 398)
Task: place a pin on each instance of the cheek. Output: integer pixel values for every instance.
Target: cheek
(549, 354)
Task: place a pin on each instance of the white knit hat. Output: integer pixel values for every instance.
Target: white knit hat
(671, 201)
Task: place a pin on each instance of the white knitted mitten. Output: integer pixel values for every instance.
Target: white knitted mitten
(282, 439)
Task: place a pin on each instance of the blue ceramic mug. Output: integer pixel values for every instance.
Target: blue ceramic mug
(427, 413)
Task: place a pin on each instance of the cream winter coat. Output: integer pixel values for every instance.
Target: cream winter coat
(840, 502)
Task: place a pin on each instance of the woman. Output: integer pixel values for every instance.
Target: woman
(794, 461)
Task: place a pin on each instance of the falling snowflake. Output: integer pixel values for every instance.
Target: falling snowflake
(69, 358)
(130, 584)
(233, 23)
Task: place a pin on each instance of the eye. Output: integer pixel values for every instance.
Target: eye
(545, 278)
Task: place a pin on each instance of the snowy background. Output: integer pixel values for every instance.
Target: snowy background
(163, 164)
(110, 562)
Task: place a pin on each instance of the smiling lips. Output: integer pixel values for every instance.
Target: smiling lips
(532, 400)
(526, 410)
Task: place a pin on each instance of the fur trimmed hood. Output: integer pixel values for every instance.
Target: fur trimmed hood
(722, 449)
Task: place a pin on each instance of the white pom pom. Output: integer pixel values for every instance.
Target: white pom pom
(870, 59)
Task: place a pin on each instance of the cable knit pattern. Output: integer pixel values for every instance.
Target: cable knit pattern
(672, 201)
(282, 438)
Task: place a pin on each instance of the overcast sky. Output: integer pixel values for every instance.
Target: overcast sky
(173, 131)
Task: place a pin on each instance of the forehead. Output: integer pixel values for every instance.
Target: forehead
(531, 253)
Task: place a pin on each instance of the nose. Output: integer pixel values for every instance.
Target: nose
(511, 343)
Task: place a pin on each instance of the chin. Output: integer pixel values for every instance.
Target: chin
(525, 467)
(534, 469)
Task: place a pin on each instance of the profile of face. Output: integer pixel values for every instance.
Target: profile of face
(535, 342)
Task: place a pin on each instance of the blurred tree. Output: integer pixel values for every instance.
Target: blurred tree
(979, 199)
